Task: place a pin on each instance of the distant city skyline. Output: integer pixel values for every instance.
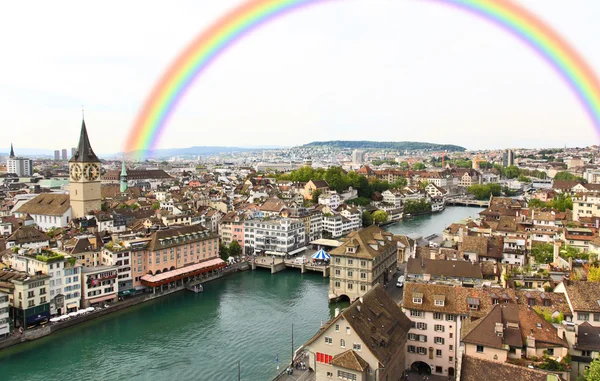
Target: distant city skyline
(372, 70)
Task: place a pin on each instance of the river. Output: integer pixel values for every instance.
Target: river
(244, 317)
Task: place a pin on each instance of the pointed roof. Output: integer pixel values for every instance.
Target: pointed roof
(84, 152)
(12, 151)
(349, 360)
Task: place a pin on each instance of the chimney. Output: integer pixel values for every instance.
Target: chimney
(337, 312)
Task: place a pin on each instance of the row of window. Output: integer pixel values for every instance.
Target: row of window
(350, 286)
(585, 316)
(423, 338)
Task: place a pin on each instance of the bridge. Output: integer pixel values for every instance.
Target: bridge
(278, 264)
(467, 202)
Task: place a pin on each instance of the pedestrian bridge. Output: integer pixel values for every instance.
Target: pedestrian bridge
(279, 264)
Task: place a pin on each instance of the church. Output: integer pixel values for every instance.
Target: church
(85, 190)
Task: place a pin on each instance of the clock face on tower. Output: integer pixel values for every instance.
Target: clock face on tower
(75, 172)
(91, 172)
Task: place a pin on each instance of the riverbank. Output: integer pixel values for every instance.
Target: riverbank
(43, 331)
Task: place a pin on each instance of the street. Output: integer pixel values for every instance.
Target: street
(396, 293)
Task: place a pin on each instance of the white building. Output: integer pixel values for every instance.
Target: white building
(358, 156)
(586, 205)
(20, 166)
(274, 237)
(48, 210)
(393, 197)
(4, 319)
(331, 200)
(120, 257)
(98, 285)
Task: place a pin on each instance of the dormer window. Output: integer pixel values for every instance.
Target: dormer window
(473, 303)
(439, 300)
(418, 298)
(351, 250)
(495, 301)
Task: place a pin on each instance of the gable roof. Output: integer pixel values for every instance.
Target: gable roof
(584, 296)
(363, 239)
(49, 204)
(462, 269)
(27, 234)
(476, 369)
(349, 360)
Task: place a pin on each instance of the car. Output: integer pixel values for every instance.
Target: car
(400, 282)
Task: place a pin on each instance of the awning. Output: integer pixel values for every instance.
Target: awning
(297, 250)
(137, 288)
(275, 253)
(101, 298)
(183, 272)
(72, 305)
(126, 292)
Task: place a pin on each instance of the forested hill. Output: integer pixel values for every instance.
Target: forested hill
(400, 146)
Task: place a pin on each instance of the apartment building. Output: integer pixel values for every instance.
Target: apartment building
(365, 342)
(113, 254)
(584, 300)
(368, 257)
(274, 237)
(331, 200)
(99, 285)
(586, 205)
(27, 296)
(4, 315)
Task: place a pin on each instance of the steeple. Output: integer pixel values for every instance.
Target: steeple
(12, 151)
(84, 152)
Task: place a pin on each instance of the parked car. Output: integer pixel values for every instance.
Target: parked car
(400, 282)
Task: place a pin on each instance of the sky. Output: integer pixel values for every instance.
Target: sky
(386, 70)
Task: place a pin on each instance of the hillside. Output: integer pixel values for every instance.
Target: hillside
(400, 146)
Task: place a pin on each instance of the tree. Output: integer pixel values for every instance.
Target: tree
(564, 175)
(164, 163)
(416, 206)
(543, 252)
(362, 201)
(223, 251)
(156, 205)
(235, 250)
(536, 203)
(523, 178)
(418, 166)
(511, 172)
(593, 274)
(315, 196)
(380, 216)
(367, 219)
(483, 192)
(593, 372)
(400, 183)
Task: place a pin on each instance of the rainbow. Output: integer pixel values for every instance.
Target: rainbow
(152, 120)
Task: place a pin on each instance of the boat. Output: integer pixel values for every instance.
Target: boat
(197, 288)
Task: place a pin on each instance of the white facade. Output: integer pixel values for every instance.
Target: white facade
(4, 319)
(393, 198)
(46, 222)
(277, 237)
(121, 259)
(98, 285)
(331, 200)
(586, 205)
(21, 166)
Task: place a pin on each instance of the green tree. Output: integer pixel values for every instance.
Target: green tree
(573, 252)
(235, 250)
(523, 178)
(164, 163)
(156, 205)
(593, 372)
(380, 216)
(223, 251)
(593, 274)
(362, 201)
(418, 166)
(536, 203)
(400, 183)
(404, 165)
(483, 192)
(367, 219)
(543, 252)
(564, 175)
(315, 196)
(511, 172)
(416, 206)
(561, 202)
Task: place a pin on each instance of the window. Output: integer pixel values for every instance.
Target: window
(416, 313)
(417, 300)
(438, 328)
(438, 353)
(30, 294)
(438, 369)
(550, 351)
(439, 303)
(421, 326)
(350, 262)
(30, 304)
(438, 340)
(350, 273)
(596, 317)
(586, 353)
(451, 347)
(346, 375)
(328, 340)
(412, 349)
(349, 286)
(450, 317)
(583, 316)
(413, 336)
(363, 275)
(363, 263)
(356, 346)
(337, 327)
(451, 334)
(347, 330)
(337, 284)
(43, 299)
(495, 301)
(322, 357)
(363, 287)
(450, 358)
(329, 374)
(421, 350)
(343, 343)
(480, 349)
(438, 316)
(423, 338)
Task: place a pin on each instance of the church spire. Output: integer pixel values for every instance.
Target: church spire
(84, 152)
(12, 151)
(123, 184)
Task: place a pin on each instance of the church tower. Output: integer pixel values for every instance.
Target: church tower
(84, 176)
(123, 187)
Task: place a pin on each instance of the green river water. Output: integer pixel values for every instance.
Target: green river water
(244, 317)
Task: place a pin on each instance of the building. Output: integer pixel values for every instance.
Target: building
(115, 255)
(274, 237)
(477, 369)
(64, 281)
(462, 273)
(85, 184)
(315, 186)
(508, 158)
(20, 166)
(4, 315)
(64, 154)
(48, 210)
(584, 300)
(368, 257)
(98, 285)
(332, 200)
(358, 156)
(586, 205)
(364, 342)
(28, 297)
(56, 155)
(27, 237)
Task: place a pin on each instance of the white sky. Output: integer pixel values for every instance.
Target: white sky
(344, 70)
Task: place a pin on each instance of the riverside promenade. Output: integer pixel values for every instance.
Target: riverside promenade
(32, 334)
